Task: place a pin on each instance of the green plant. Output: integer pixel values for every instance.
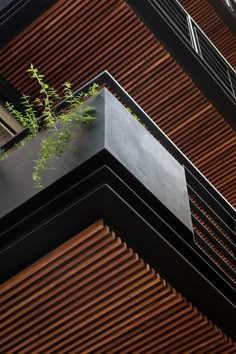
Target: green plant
(136, 117)
(3, 154)
(61, 126)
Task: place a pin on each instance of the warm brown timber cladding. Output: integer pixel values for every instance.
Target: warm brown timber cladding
(75, 40)
(216, 242)
(93, 294)
(214, 27)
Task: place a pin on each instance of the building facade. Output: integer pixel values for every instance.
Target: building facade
(152, 266)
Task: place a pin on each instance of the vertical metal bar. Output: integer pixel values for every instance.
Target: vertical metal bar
(192, 34)
(229, 4)
(231, 84)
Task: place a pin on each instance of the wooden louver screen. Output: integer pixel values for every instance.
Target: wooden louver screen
(214, 241)
(93, 294)
(75, 40)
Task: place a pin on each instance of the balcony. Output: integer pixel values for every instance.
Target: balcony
(122, 172)
(138, 60)
(128, 246)
(172, 24)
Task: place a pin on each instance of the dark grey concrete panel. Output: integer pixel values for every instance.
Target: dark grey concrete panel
(130, 143)
(125, 140)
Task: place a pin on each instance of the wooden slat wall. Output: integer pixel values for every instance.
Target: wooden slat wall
(214, 241)
(75, 40)
(214, 27)
(93, 294)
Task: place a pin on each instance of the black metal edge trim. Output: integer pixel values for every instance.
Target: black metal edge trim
(214, 256)
(229, 219)
(76, 175)
(151, 246)
(106, 175)
(211, 212)
(229, 243)
(217, 245)
(106, 77)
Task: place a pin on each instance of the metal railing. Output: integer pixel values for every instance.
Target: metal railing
(187, 29)
(175, 14)
(231, 4)
(220, 68)
(212, 216)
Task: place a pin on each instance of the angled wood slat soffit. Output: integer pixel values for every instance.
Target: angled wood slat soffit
(93, 294)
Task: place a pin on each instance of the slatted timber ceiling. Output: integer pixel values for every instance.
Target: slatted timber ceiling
(214, 27)
(93, 294)
(75, 40)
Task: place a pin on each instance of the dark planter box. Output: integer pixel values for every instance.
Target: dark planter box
(119, 172)
(116, 138)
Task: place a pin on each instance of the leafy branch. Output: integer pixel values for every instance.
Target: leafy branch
(61, 127)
